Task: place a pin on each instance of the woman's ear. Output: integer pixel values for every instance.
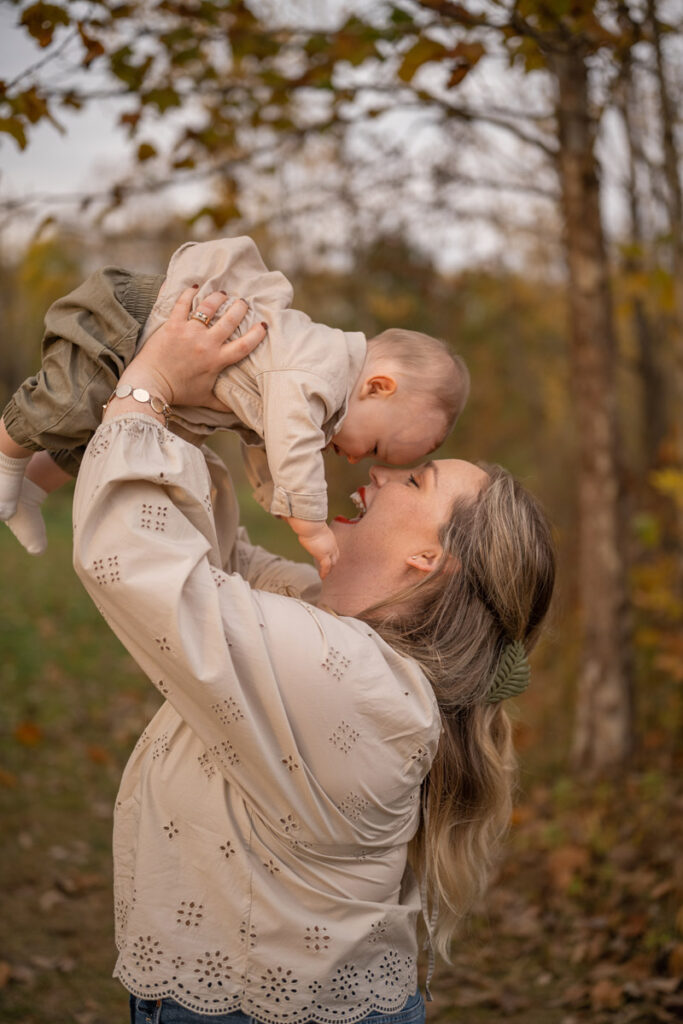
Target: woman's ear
(378, 385)
(425, 561)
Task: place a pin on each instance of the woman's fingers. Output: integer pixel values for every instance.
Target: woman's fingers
(208, 306)
(230, 319)
(238, 348)
(183, 306)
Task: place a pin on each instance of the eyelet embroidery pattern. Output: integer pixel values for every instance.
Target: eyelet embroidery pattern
(227, 711)
(106, 570)
(189, 914)
(213, 969)
(98, 445)
(121, 912)
(391, 969)
(336, 663)
(160, 746)
(147, 952)
(289, 824)
(162, 643)
(271, 867)
(144, 739)
(344, 737)
(419, 754)
(154, 517)
(227, 849)
(219, 578)
(207, 503)
(136, 428)
(300, 844)
(171, 830)
(207, 765)
(316, 938)
(224, 753)
(279, 985)
(162, 687)
(387, 986)
(290, 763)
(344, 984)
(247, 935)
(378, 930)
(353, 805)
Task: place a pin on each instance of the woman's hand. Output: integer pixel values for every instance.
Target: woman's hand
(180, 362)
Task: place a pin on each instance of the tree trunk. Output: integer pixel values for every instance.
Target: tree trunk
(653, 385)
(675, 213)
(604, 722)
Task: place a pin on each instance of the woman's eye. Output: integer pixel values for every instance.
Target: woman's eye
(413, 481)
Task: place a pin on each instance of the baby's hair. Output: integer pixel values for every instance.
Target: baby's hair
(429, 365)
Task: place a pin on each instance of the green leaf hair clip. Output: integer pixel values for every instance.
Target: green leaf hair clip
(512, 674)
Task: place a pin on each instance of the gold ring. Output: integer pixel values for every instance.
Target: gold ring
(203, 318)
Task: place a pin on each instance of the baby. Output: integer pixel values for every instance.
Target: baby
(304, 388)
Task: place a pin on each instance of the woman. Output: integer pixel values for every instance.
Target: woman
(264, 819)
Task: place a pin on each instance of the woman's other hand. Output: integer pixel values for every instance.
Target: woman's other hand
(180, 362)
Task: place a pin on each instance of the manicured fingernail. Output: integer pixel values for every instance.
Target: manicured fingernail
(195, 286)
(264, 325)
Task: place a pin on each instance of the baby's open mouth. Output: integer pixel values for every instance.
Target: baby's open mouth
(358, 498)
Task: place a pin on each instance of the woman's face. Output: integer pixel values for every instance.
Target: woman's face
(397, 537)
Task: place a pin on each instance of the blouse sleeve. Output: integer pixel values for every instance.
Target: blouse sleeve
(247, 671)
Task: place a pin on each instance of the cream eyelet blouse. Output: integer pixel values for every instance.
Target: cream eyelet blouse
(262, 822)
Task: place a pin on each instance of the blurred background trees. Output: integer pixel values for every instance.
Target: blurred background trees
(368, 147)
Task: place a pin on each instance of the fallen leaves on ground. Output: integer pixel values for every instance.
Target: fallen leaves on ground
(585, 920)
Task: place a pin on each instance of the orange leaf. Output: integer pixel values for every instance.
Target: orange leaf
(7, 779)
(605, 995)
(98, 755)
(675, 964)
(564, 863)
(28, 733)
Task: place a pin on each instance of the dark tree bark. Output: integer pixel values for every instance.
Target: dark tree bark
(652, 378)
(604, 723)
(675, 215)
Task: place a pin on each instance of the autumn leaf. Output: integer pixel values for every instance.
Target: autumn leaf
(13, 126)
(565, 863)
(422, 52)
(606, 995)
(28, 734)
(42, 19)
(146, 151)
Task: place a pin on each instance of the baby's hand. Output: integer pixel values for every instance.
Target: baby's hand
(317, 538)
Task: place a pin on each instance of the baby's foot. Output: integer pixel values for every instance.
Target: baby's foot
(27, 523)
(11, 474)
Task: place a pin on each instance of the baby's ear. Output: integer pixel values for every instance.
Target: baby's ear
(379, 385)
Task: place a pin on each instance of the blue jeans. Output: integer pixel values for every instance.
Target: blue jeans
(167, 1011)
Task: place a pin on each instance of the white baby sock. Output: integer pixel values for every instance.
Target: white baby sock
(11, 474)
(27, 523)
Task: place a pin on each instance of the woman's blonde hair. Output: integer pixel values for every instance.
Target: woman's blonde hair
(492, 587)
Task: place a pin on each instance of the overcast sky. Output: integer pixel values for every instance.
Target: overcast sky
(93, 152)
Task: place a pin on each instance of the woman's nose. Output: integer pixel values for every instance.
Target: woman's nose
(379, 475)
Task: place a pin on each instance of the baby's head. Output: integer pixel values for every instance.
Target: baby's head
(407, 398)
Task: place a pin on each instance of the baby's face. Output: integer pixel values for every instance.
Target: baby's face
(395, 429)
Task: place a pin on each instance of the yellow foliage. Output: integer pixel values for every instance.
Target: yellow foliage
(669, 481)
